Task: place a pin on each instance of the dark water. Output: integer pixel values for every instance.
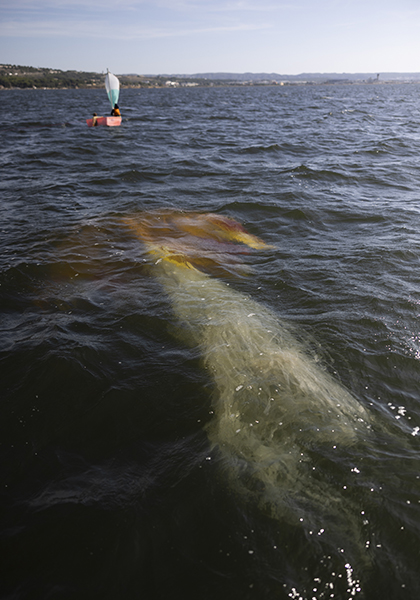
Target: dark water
(109, 486)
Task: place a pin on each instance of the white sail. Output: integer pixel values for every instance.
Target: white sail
(112, 86)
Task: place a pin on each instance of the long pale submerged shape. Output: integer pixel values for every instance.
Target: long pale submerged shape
(273, 403)
(112, 86)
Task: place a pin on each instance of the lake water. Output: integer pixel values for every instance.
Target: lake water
(116, 481)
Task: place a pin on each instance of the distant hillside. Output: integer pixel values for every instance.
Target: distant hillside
(15, 76)
(12, 76)
(306, 77)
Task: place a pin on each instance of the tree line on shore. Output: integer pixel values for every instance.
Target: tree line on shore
(16, 76)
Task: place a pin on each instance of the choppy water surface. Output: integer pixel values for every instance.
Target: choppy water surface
(119, 475)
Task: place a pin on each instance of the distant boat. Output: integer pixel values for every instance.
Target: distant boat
(109, 121)
(112, 86)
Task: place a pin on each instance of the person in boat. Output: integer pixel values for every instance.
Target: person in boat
(115, 112)
(94, 119)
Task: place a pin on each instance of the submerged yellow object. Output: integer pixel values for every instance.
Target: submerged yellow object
(274, 405)
(204, 241)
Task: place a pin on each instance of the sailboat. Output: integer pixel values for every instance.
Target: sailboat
(112, 86)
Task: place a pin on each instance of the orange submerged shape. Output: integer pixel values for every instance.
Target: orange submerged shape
(205, 241)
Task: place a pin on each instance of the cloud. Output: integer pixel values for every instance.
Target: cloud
(106, 30)
(153, 5)
(133, 19)
(130, 19)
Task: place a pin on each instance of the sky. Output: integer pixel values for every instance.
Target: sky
(153, 37)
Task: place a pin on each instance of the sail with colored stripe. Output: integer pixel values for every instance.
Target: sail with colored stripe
(112, 86)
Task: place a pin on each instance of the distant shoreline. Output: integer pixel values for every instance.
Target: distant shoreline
(218, 85)
(25, 77)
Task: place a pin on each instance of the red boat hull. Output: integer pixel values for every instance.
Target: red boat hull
(108, 121)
